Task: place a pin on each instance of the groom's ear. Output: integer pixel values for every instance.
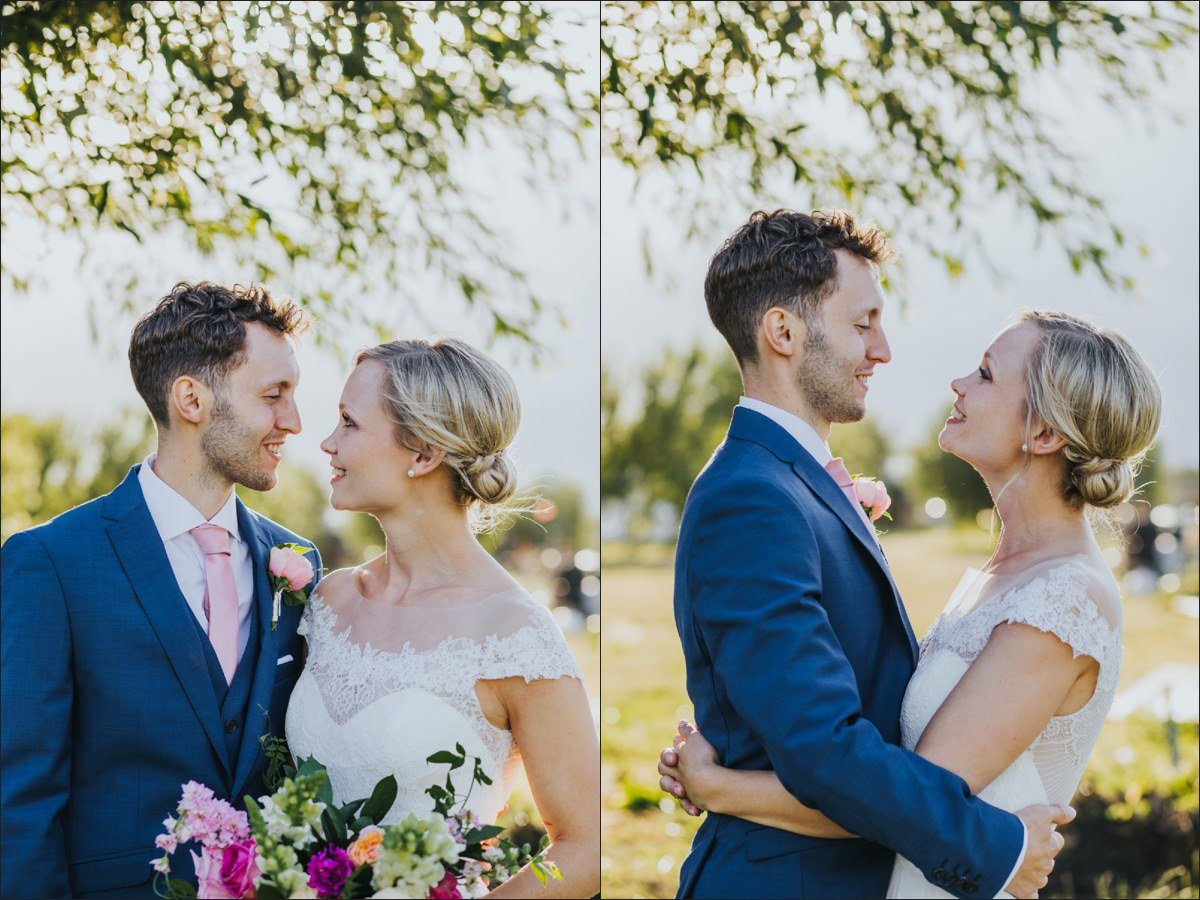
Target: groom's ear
(190, 398)
(783, 331)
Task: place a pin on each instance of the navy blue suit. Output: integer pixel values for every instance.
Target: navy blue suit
(113, 697)
(798, 653)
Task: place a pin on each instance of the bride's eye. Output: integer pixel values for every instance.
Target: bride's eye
(985, 374)
(347, 421)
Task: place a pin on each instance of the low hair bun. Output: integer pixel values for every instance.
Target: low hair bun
(1102, 482)
(491, 477)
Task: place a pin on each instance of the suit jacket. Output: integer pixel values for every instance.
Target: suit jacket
(109, 704)
(798, 654)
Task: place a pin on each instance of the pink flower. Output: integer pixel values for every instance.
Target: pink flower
(208, 875)
(291, 566)
(446, 889)
(239, 868)
(873, 496)
(227, 874)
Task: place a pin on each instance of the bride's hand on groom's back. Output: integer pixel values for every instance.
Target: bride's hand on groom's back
(689, 761)
(1042, 845)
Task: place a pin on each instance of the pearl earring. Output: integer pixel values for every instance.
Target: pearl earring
(411, 473)
(1024, 449)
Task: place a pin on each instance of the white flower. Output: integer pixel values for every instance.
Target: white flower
(395, 894)
(162, 864)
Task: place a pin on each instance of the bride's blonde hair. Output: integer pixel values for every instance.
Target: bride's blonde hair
(1096, 392)
(446, 395)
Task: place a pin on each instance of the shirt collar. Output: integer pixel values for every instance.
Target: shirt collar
(805, 435)
(173, 514)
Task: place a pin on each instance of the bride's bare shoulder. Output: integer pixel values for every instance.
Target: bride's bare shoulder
(338, 586)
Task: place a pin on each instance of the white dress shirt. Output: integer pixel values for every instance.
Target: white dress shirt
(175, 517)
(807, 437)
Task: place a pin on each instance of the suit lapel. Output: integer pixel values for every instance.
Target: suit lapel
(750, 425)
(139, 548)
(268, 651)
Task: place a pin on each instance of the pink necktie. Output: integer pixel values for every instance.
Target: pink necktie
(220, 595)
(837, 469)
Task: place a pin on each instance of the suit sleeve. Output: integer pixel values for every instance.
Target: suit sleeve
(36, 687)
(753, 576)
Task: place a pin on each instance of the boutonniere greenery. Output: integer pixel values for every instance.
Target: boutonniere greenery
(290, 572)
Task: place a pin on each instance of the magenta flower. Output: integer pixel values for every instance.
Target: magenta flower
(446, 889)
(328, 871)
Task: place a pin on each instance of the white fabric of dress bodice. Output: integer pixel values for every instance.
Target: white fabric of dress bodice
(1072, 598)
(384, 687)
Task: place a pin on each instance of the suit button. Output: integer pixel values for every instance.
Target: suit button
(230, 726)
(939, 875)
(969, 887)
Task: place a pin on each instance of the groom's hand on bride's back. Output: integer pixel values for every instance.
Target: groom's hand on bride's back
(1043, 844)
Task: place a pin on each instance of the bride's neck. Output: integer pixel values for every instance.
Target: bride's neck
(427, 547)
(1036, 519)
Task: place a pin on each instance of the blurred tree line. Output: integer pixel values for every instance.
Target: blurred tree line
(316, 141)
(50, 465)
(917, 115)
(659, 427)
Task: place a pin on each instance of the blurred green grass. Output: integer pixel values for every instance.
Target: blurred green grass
(645, 837)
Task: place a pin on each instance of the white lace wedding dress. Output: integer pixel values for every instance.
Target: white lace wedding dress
(386, 686)
(1074, 598)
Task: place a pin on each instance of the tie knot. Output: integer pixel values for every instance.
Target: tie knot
(213, 539)
(837, 469)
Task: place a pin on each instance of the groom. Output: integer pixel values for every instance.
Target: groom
(797, 646)
(138, 647)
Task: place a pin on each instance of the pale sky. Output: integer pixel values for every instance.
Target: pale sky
(1149, 178)
(48, 364)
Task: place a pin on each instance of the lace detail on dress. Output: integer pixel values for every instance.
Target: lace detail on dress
(1059, 601)
(414, 700)
(1057, 597)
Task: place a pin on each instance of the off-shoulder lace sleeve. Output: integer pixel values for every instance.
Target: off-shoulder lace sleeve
(535, 651)
(1060, 601)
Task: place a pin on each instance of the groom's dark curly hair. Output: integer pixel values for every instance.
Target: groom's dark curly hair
(200, 330)
(786, 259)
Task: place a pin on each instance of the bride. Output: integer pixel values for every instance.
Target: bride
(1017, 674)
(432, 643)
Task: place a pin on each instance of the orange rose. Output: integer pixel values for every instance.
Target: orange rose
(366, 849)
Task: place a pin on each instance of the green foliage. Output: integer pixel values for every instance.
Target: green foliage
(316, 140)
(739, 95)
(683, 403)
(48, 466)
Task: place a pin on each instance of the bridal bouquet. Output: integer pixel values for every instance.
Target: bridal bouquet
(297, 843)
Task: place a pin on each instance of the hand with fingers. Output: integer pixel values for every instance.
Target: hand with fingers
(690, 760)
(1042, 845)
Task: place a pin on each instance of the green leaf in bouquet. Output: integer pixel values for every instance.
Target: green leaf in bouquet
(178, 889)
(481, 776)
(325, 790)
(445, 757)
(544, 869)
(381, 800)
(358, 885)
(268, 891)
(335, 826)
(308, 765)
(350, 810)
(481, 834)
(254, 814)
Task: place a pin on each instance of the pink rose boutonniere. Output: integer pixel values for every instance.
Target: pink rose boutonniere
(873, 496)
(290, 572)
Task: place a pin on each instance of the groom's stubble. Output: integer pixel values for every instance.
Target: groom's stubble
(826, 382)
(232, 450)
